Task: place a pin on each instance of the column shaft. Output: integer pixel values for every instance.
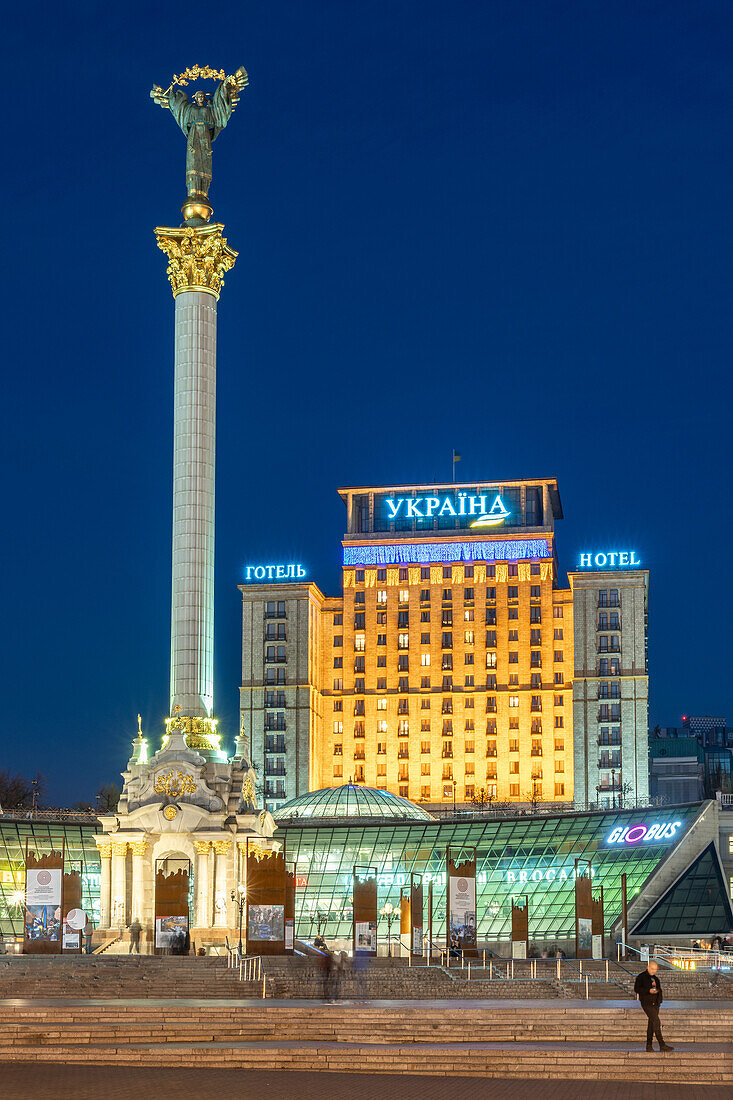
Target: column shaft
(194, 441)
(119, 886)
(104, 888)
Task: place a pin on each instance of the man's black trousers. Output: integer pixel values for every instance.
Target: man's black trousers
(653, 1027)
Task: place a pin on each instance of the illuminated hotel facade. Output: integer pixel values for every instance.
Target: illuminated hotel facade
(455, 666)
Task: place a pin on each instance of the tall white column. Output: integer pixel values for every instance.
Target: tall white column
(221, 899)
(105, 852)
(119, 885)
(203, 883)
(139, 882)
(194, 444)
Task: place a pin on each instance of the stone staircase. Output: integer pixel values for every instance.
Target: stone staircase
(553, 1040)
(109, 975)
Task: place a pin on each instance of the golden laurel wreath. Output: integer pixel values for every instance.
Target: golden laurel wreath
(204, 72)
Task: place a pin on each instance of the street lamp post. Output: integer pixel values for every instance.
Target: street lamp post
(238, 896)
(388, 912)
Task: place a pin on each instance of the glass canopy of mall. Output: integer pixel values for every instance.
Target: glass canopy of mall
(533, 854)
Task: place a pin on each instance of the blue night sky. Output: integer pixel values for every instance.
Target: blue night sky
(501, 227)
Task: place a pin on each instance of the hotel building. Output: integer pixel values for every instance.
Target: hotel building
(456, 666)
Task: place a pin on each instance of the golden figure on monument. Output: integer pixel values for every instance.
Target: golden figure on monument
(202, 118)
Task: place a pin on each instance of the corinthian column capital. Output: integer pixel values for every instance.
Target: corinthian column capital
(198, 257)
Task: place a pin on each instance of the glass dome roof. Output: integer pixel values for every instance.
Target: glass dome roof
(351, 800)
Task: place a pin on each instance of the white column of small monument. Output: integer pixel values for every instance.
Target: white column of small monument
(202, 878)
(119, 884)
(194, 442)
(105, 885)
(139, 879)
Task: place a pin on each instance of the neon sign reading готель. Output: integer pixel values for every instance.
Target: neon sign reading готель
(290, 572)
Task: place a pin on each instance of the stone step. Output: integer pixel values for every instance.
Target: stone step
(711, 1065)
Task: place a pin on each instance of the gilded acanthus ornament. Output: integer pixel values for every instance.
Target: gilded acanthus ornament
(105, 850)
(198, 257)
(175, 784)
(248, 788)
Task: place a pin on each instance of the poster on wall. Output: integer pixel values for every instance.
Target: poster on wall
(266, 923)
(169, 929)
(365, 937)
(417, 944)
(519, 949)
(598, 947)
(72, 939)
(463, 911)
(585, 934)
(43, 887)
(289, 933)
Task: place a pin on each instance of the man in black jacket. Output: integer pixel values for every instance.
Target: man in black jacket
(648, 990)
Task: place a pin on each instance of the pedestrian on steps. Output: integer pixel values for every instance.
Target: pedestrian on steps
(648, 990)
(135, 930)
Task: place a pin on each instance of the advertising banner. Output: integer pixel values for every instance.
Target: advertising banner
(597, 947)
(417, 944)
(289, 933)
(585, 936)
(43, 926)
(266, 923)
(168, 930)
(72, 939)
(366, 937)
(463, 911)
(519, 949)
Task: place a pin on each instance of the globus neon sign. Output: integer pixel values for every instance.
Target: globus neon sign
(638, 834)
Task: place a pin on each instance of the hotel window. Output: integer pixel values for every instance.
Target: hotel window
(447, 661)
(513, 723)
(338, 727)
(513, 657)
(338, 662)
(468, 659)
(425, 659)
(536, 702)
(491, 748)
(559, 678)
(275, 610)
(424, 572)
(403, 663)
(468, 594)
(559, 765)
(338, 749)
(359, 664)
(513, 569)
(338, 620)
(358, 576)
(424, 639)
(447, 683)
(403, 574)
(491, 704)
(535, 614)
(425, 704)
(381, 768)
(358, 729)
(425, 682)
(359, 773)
(381, 726)
(559, 788)
(468, 682)
(559, 721)
(447, 639)
(403, 727)
(425, 725)
(447, 707)
(559, 700)
(403, 706)
(381, 618)
(469, 571)
(381, 578)
(382, 595)
(447, 616)
(491, 616)
(403, 641)
(425, 594)
(381, 682)
(535, 637)
(359, 597)
(425, 768)
(338, 684)
(404, 595)
(536, 725)
(424, 616)
(490, 592)
(447, 790)
(513, 613)
(559, 744)
(513, 744)
(381, 748)
(490, 637)
(490, 725)
(514, 767)
(424, 746)
(338, 640)
(536, 749)
(381, 661)
(425, 794)
(338, 704)
(534, 592)
(359, 642)
(512, 592)
(447, 595)
(513, 700)
(491, 659)
(381, 639)
(468, 615)
(536, 658)
(447, 573)
(403, 618)
(514, 790)
(359, 690)
(338, 771)
(513, 635)
(381, 704)
(557, 612)
(558, 633)
(469, 747)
